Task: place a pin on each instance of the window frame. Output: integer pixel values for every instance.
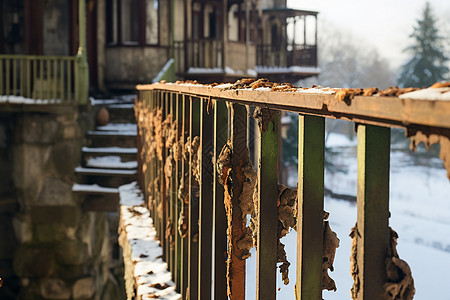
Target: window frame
(114, 37)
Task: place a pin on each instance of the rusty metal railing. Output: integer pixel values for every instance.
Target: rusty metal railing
(201, 186)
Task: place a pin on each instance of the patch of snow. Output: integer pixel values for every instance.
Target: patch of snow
(105, 171)
(127, 105)
(192, 70)
(93, 188)
(429, 94)
(111, 150)
(317, 90)
(229, 70)
(119, 127)
(146, 252)
(104, 132)
(29, 101)
(223, 86)
(252, 72)
(291, 69)
(113, 162)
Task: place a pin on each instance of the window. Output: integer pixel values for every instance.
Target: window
(132, 22)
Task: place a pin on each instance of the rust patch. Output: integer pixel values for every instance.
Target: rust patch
(419, 137)
(264, 116)
(354, 270)
(330, 244)
(395, 91)
(168, 170)
(400, 283)
(170, 233)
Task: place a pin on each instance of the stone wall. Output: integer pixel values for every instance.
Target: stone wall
(57, 250)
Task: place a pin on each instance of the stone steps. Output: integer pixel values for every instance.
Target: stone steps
(110, 159)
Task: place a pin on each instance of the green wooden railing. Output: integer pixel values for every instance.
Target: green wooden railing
(200, 186)
(50, 78)
(167, 73)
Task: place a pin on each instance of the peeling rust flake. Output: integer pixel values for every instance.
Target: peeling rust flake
(400, 285)
(419, 137)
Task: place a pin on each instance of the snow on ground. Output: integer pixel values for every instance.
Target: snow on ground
(119, 127)
(420, 209)
(22, 100)
(146, 254)
(111, 162)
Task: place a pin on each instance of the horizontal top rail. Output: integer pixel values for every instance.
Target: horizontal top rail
(37, 57)
(430, 115)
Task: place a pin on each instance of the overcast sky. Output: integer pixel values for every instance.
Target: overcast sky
(386, 24)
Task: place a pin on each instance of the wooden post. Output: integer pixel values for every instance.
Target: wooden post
(311, 152)
(219, 214)
(373, 209)
(266, 255)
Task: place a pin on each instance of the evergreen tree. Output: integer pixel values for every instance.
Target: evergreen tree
(427, 65)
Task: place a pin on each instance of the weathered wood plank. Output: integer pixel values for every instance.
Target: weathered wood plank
(266, 255)
(311, 153)
(373, 209)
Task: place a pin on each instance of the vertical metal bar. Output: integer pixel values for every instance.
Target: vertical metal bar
(177, 177)
(61, 81)
(311, 152)
(41, 79)
(236, 264)
(28, 94)
(1, 77)
(22, 77)
(35, 80)
(219, 214)
(266, 255)
(205, 203)
(14, 78)
(184, 241)
(54, 81)
(8, 76)
(373, 209)
(172, 196)
(69, 80)
(194, 126)
(164, 102)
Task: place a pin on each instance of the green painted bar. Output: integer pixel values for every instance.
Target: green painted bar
(177, 176)
(194, 130)
(22, 79)
(266, 255)
(35, 68)
(61, 81)
(69, 80)
(1, 78)
(205, 203)
(172, 194)
(54, 81)
(239, 158)
(7, 76)
(311, 149)
(41, 79)
(184, 166)
(14, 77)
(28, 94)
(373, 209)
(162, 178)
(219, 214)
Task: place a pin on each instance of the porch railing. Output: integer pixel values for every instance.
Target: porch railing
(38, 77)
(201, 187)
(292, 55)
(204, 53)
